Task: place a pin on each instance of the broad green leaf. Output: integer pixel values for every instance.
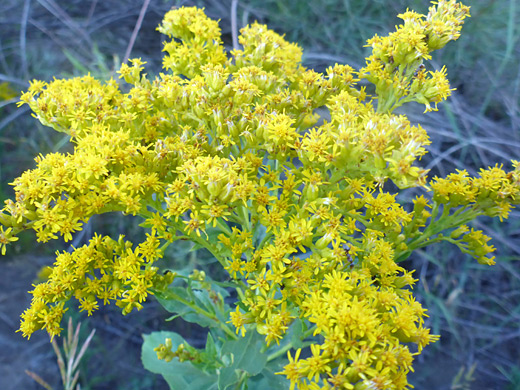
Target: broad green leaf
(293, 336)
(179, 376)
(227, 376)
(244, 355)
(267, 379)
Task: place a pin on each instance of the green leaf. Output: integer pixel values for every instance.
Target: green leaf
(211, 348)
(298, 329)
(196, 296)
(213, 234)
(179, 376)
(244, 356)
(203, 300)
(226, 377)
(172, 305)
(267, 379)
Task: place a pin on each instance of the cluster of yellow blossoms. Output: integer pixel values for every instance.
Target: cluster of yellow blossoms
(230, 153)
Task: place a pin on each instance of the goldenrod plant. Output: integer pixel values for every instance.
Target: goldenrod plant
(228, 151)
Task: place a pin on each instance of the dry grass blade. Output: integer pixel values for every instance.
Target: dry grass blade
(10, 101)
(74, 381)
(11, 117)
(14, 80)
(91, 12)
(60, 14)
(69, 371)
(38, 379)
(61, 362)
(68, 341)
(511, 42)
(84, 348)
(464, 377)
(72, 347)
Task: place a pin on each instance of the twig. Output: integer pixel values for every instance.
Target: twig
(136, 30)
(23, 37)
(91, 12)
(234, 28)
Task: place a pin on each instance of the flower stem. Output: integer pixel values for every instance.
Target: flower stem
(199, 310)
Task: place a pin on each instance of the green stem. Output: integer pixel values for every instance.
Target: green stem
(264, 240)
(244, 217)
(445, 221)
(434, 240)
(384, 105)
(282, 351)
(337, 176)
(199, 310)
(309, 332)
(223, 226)
(357, 217)
(164, 246)
(242, 380)
(202, 242)
(289, 345)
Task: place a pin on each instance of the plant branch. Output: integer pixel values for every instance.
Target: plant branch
(136, 30)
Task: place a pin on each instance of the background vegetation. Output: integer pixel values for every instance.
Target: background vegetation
(476, 309)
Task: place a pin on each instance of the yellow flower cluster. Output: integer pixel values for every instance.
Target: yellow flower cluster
(365, 317)
(197, 42)
(396, 64)
(231, 154)
(104, 270)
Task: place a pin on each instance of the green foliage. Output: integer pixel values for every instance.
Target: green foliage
(241, 356)
(223, 367)
(179, 375)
